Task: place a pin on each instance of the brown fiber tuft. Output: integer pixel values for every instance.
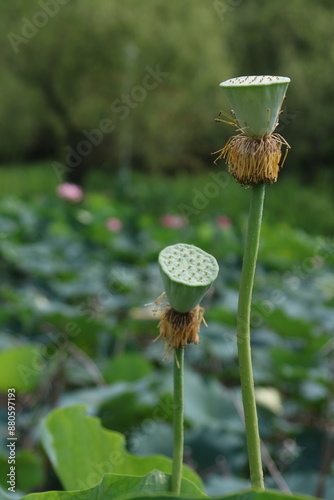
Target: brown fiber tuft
(254, 161)
(180, 329)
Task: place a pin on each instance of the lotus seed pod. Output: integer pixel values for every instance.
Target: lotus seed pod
(187, 273)
(256, 102)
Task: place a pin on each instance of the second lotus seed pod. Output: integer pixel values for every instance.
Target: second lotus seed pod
(187, 273)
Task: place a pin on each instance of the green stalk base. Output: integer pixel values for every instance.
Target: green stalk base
(178, 421)
(243, 336)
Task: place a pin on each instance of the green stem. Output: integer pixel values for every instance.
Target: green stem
(243, 335)
(178, 421)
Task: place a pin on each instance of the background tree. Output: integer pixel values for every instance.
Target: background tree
(69, 75)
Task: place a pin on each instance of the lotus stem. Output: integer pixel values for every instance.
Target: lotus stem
(243, 336)
(178, 421)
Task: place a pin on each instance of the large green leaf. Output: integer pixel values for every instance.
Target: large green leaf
(82, 452)
(154, 485)
(122, 486)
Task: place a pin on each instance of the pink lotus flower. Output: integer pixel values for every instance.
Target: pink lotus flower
(70, 192)
(223, 222)
(173, 221)
(114, 225)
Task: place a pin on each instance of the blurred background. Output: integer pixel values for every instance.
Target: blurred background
(107, 119)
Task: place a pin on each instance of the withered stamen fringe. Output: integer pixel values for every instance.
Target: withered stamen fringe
(254, 161)
(180, 329)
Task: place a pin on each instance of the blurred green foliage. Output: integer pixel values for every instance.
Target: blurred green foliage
(290, 201)
(77, 68)
(77, 291)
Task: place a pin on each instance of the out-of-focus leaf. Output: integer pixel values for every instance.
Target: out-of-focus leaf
(127, 367)
(220, 485)
(288, 326)
(270, 398)
(22, 368)
(284, 246)
(300, 482)
(9, 495)
(31, 470)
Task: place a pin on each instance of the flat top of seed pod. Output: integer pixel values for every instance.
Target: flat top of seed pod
(188, 264)
(241, 81)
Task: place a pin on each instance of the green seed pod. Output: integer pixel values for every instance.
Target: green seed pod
(187, 273)
(256, 102)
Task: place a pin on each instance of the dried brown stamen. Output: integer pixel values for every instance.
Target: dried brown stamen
(180, 329)
(254, 161)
